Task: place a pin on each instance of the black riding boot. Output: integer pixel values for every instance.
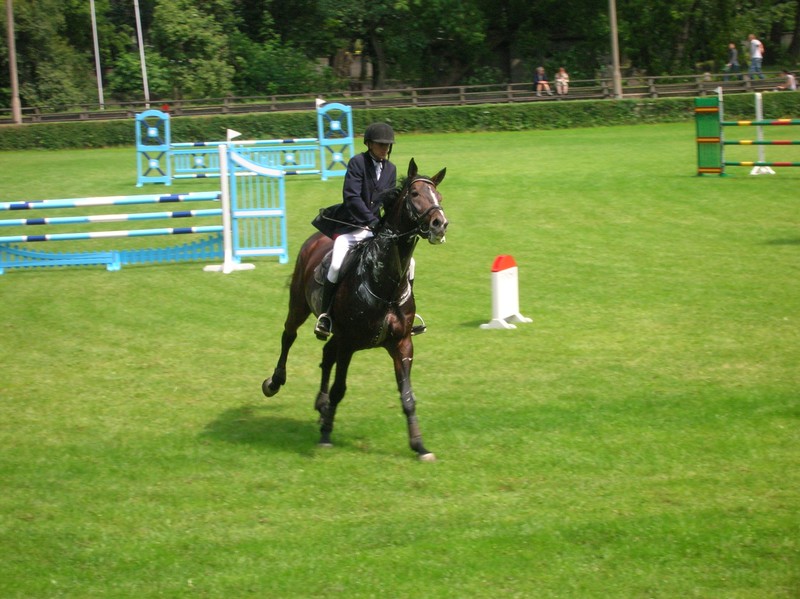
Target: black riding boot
(324, 324)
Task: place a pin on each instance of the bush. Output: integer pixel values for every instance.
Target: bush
(445, 119)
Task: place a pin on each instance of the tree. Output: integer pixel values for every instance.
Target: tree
(194, 44)
(794, 46)
(51, 70)
(220, 47)
(450, 40)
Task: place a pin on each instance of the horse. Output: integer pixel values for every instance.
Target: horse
(373, 303)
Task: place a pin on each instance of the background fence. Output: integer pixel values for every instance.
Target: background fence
(585, 89)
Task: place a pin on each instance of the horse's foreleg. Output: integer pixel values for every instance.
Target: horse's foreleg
(403, 355)
(298, 313)
(274, 383)
(322, 403)
(338, 389)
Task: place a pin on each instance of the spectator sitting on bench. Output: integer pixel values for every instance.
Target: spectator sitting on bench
(540, 82)
(790, 83)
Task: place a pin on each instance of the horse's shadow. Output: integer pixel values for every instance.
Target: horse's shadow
(254, 425)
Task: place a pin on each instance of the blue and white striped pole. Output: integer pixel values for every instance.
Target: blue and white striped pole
(110, 234)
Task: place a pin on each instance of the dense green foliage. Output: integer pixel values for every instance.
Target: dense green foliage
(256, 47)
(638, 439)
(493, 117)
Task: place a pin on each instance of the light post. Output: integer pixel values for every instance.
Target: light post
(97, 58)
(617, 78)
(16, 107)
(141, 54)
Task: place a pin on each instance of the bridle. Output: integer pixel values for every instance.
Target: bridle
(419, 219)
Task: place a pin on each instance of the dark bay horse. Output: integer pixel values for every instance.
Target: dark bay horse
(374, 303)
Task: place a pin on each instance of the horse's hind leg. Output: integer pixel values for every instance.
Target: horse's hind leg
(327, 409)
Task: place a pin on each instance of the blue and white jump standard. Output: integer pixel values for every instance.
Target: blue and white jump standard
(160, 160)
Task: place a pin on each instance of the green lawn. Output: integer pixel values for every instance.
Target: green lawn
(638, 439)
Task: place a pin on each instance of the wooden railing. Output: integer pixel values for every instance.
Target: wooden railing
(457, 95)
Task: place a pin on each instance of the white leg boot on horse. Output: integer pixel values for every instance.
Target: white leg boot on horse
(420, 328)
(416, 329)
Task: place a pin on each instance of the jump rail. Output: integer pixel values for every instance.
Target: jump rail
(248, 219)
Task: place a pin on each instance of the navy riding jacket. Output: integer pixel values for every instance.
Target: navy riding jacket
(361, 203)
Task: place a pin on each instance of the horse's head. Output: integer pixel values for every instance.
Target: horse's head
(422, 203)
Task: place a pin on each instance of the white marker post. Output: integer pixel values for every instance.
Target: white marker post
(505, 295)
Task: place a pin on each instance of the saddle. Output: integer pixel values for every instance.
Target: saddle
(321, 271)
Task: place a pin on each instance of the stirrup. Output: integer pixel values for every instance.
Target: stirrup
(323, 327)
(418, 329)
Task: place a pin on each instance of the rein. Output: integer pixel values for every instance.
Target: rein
(416, 218)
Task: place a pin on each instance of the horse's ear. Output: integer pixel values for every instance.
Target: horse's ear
(412, 169)
(439, 177)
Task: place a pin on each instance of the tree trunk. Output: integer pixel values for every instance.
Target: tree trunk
(379, 64)
(794, 47)
(679, 56)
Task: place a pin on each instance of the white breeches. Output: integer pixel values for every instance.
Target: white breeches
(342, 245)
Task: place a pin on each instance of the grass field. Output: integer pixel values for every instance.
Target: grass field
(638, 439)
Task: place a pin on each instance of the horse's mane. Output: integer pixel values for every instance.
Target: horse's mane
(389, 196)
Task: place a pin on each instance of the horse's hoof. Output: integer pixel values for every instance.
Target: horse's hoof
(266, 387)
(322, 402)
(427, 457)
(325, 445)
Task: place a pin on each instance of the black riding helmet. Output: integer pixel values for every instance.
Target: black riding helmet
(379, 133)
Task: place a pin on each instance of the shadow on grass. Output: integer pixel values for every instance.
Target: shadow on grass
(474, 324)
(254, 425)
(794, 241)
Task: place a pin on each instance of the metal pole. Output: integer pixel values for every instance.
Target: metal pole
(141, 54)
(760, 170)
(612, 15)
(97, 59)
(16, 107)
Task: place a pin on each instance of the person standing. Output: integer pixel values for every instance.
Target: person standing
(756, 56)
(732, 66)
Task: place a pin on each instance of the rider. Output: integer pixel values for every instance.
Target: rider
(368, 174)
